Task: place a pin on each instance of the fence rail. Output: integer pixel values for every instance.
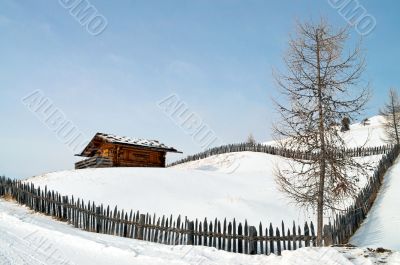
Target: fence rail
(229, 236)
(273, 150)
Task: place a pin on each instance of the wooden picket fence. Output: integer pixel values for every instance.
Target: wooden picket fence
(273, 150)
(229, 236)
(346, 223)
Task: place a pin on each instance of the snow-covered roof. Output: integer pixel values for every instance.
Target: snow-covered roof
(112, 138)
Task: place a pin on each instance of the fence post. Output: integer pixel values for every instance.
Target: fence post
(306, 235)
(253, 240)
(98, 229)
(327, 236)
(278, 242)
(240, 238)
(190, 233)
(141, 227)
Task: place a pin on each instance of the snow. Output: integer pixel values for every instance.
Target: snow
(34, 239)
(235, 185)
(111, 138)
(214, 188)
(381, 228)
(369, 135)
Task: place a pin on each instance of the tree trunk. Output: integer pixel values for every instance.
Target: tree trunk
(322, 161)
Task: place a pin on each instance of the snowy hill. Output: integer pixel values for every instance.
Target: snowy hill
(239, 185)
(370, 134)
(381, 228)
(234, 185)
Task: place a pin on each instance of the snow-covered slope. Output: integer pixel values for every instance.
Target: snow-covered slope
(28, 238)
(235, 185)
(381, 228)
(370, 134)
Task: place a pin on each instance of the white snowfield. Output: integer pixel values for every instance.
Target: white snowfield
(34, 239)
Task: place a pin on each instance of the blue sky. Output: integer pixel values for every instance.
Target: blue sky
(217, 56)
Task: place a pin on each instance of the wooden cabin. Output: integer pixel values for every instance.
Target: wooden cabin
(108, 150)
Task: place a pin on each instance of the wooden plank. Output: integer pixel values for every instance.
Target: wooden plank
(210, 232)
(278, 242)
(253, 240)
(307, 235)
(214, 244)
(234, 236)
(220, 236)
(141, 227)
(170, 230)
(152, 229)
(283, 235)
(205, 233)
(240, 239)
(294, 236)
(246, 236)
(185, 234)
(200, 237)
(179, 234)
(261, 241)
(157, 231)
(191, 233)
(300, 241)
(229, 239)
(196, 231)
(289, 240)
(97, 229)
(224, 235)
(165, 239)
(266, 241)
(162, 230)
(271, 241)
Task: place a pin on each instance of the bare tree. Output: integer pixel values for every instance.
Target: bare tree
(320, 90)
(250, 139)
(391, 113)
